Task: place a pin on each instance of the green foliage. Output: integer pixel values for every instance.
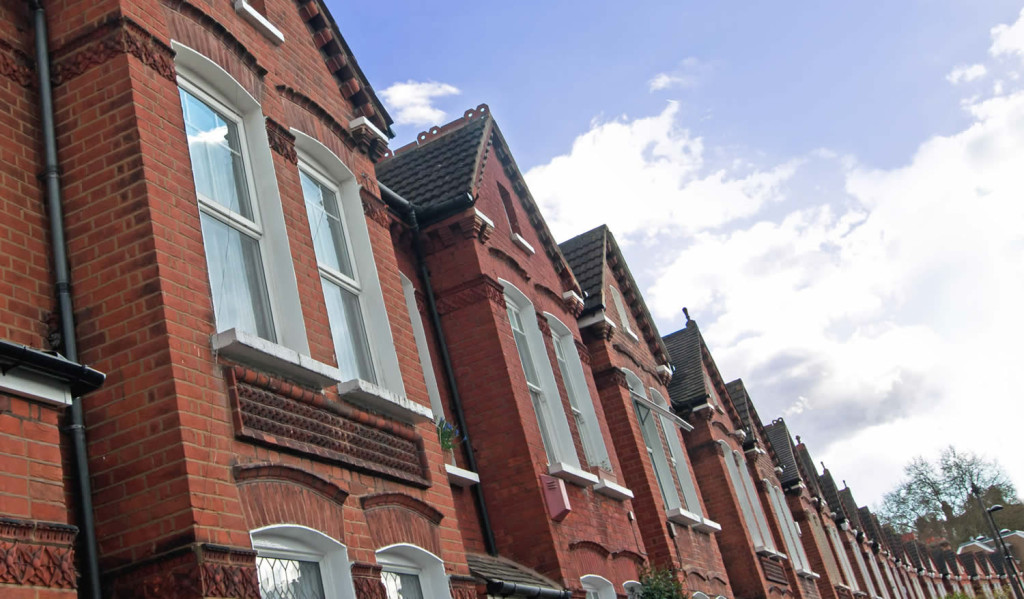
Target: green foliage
(958, 596)
(935, 501)
(660, 583)
(448, 434)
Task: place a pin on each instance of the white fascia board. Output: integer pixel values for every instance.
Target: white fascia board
(365, 122)
(572, 474)
(31, 385)
(258, 21)
(613, 490)
(686, 426)
(460, 477)
(273, 358)
(381, 400)
(522, 243)
(595, 318)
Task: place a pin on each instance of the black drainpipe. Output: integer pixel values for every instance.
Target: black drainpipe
(410, 211)
(87, 540)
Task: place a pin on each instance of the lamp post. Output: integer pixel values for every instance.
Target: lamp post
(1010, 565)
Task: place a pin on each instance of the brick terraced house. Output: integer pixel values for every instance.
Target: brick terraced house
(321, 369)
(631, 368)
(800, 485)
(511, 368)
(740, 489)
(265, 427)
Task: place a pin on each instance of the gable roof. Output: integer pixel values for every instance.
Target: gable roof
(782, 444)
(441, 171)
(688, 387)
(808, 469)
(850, 507)
(587, 255)
(831, 495)
(352, 82)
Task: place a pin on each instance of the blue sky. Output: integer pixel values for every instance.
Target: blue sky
(831, 188)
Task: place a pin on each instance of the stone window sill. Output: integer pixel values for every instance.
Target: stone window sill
(807, 574)
(708, 526)
(613, 490)
(572, 474)
(381, 400)
(683, 516)
(460, 477)
(275, 359)
(259, 21)
(523, 244)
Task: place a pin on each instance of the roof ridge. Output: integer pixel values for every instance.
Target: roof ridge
(482, 111)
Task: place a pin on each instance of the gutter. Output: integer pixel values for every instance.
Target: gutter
(79, 378)
(90, 586)
(506, 589)
(413, 216)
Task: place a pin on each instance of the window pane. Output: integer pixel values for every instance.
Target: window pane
(326, 226)
(542, 420)
(656, 452)
(216, 154)
(522, 345)
(350, 345)
(590, 448)
(401, 585)
(289, 579)
(240, 298)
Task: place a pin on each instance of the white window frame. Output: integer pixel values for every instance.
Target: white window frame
(406, 558)
(844, 561)
(790, 530)
(580, 401)
(620, 307)
(419, 334)
(600, 586)
(656, 451)
(750, 504)
(677, 458)
(865, 574)
(316, 157)
(290, 541)
(632, 588)
(206, 80)
(551, 418)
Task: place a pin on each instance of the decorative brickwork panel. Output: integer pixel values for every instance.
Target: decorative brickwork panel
(366, 579)
(107, 40)
(277, 413)
(38, 554)
(463, 587)
(773, 571)
(398, 518)
(194, 570)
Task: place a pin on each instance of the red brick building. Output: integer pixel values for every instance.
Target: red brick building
(799, 481)
(512, 369)
(736, 475)
(631, 368)
(265, 423)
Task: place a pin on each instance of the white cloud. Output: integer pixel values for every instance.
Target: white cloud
(966, 74)
(878, 309)
(413, 101)
(651, 162)
(687, 74)
(1008, 39)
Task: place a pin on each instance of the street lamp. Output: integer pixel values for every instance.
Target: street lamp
(1011, 566)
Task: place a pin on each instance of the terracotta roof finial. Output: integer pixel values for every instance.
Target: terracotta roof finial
(798, 441)
(686, 313)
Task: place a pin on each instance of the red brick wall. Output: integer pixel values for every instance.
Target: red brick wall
(160, 431)
(694, 553)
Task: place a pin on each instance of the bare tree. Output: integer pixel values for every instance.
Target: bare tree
(934, 497)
